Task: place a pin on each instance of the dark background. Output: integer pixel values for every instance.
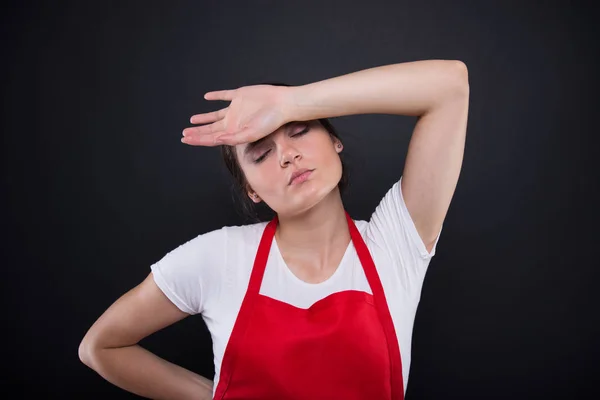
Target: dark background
(97, 186)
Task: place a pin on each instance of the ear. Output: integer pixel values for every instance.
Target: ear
(338, 146)
(253, 195)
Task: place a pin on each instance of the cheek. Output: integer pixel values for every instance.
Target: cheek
(264, 178)
(318, 148)
(334, 165)
(328, 155)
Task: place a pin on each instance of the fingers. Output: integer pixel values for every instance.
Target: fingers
(232, 139)
(226, 95)
(243, 136)
(206, 140)
(210, 134)
(218, 126)
(207, 118)
(219, 138)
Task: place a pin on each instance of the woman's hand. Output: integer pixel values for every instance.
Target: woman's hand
(254, 112)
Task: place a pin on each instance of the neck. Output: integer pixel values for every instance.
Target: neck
(316, 233)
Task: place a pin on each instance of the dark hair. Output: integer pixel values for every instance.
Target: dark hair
(249, 209)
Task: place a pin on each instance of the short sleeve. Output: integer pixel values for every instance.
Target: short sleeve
(392, 229)
(189, 275)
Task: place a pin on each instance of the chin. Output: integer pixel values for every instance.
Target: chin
(308, 197)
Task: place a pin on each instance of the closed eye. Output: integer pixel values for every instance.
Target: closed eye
(302, 132)
(259, 159)
(264, 155)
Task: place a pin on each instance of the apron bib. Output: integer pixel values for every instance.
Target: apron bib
(344, 346)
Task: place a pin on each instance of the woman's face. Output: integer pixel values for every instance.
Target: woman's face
(269, 163)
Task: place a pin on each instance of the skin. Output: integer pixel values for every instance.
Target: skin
(316, 234)
(285, 152)
(312, 227)
(436, 91)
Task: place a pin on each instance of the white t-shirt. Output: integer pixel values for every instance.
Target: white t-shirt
(210, 273)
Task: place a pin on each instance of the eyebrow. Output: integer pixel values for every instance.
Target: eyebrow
(252, 145)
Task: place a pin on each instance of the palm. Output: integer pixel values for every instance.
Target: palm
(254, 112)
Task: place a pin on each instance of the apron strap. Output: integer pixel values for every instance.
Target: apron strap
(243, 318)
(381, 305)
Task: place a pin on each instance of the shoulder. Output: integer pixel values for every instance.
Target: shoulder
(231, 233)
(361, 225)
(217, 241)
(205, 254)
(243, 235)
(365, 228)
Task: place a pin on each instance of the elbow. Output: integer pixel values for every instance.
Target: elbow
(88, 347)
(84, 352)
(459, 79)
(453, 84)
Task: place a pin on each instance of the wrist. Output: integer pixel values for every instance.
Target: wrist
(295, 104)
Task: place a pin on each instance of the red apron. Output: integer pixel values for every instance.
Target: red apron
(344, 346)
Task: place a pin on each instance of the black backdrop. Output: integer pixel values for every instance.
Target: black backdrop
(97, 186)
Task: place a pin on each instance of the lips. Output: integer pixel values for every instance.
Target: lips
(297, 173)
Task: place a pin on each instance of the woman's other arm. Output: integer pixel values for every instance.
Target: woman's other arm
(110, 347)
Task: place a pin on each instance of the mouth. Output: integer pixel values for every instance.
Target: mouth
(300, 176)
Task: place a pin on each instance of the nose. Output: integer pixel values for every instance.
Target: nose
(289, 153)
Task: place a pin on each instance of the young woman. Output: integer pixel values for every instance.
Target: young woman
(311, 304)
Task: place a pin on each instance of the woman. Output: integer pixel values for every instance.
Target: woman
(311, 304)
